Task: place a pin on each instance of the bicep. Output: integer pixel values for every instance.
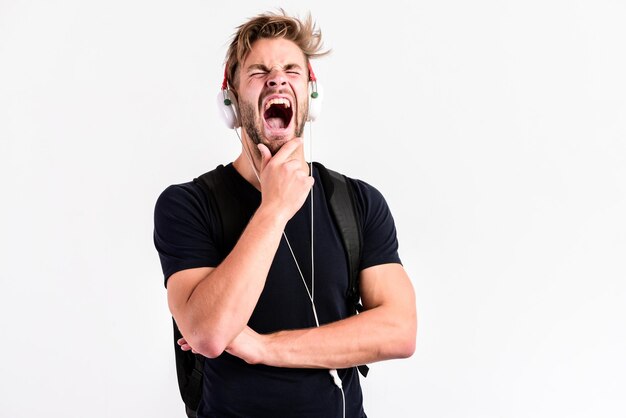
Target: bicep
(389, 299)
(387, 285)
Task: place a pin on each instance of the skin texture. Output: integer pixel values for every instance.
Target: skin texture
(273, 67)
(213, 305)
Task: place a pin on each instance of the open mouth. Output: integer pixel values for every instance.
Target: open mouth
(278, 113)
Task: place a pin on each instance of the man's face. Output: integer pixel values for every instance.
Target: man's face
(273, 92)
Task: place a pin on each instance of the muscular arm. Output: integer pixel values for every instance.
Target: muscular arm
(213, 305)
(385, 330)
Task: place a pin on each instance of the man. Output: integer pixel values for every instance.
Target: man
(253, 312)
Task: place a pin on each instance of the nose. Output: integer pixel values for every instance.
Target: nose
(276, 79)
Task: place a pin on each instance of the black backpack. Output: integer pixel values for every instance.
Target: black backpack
(342, 203)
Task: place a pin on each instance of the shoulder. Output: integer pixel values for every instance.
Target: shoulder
(369, 200)
(185, 229)
(380, 243)
(190, 195)
(183, 191)
(190, 201)
(365, 193)
(181, 197)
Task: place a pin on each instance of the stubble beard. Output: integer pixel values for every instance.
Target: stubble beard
(254, 128)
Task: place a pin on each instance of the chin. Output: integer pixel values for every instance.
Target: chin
(276, 144)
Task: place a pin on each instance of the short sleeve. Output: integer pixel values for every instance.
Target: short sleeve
(184, 231)
(380, 242)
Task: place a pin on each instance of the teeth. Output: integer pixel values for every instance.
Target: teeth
(279, 100)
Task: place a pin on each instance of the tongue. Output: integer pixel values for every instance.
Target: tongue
(275, 123)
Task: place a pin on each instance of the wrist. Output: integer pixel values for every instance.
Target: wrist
(271, 217)
(271, 355)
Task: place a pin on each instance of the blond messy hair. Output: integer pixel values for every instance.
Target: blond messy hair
(305, 34)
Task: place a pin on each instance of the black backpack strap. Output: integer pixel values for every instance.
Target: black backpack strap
(342, 204)
(227, 207)
(341, 200)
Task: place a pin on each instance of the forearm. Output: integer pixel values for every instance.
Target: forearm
(220, 306)
(379, 334)
(213, 306)
(386, 329)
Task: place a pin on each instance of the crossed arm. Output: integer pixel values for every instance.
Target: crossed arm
(386, 329)
(212, 306)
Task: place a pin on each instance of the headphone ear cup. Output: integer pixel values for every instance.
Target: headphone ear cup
(316, 96)
(227, 108)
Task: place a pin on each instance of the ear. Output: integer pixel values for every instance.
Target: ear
(316, 97)
(227, 108)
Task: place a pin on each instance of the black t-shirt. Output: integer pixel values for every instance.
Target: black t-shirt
(186, 236)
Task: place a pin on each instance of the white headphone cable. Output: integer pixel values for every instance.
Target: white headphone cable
(312, 229)
(310, 293)
(333, 372)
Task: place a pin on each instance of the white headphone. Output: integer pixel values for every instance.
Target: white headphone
(229, 111)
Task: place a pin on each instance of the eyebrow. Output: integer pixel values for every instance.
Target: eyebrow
(263, 67)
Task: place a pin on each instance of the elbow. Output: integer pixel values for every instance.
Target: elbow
(203, 338)
(210, 347)
(405, 344)
(406, 348)
(409, 340)
(401, 348)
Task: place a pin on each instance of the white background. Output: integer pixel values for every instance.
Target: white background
(496, 130)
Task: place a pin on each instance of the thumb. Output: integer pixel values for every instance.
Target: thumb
(266, 155)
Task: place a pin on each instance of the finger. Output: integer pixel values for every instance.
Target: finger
(287, 151)
(295, 166)
(181, 341)
(266, 155)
